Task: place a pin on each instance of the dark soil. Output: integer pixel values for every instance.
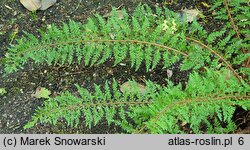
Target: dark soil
(17, 105)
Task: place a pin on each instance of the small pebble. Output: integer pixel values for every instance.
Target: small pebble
(169, 73)
(122, 64)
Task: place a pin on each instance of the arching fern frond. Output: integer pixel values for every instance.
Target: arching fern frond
(147, 38)
(157, 110)
(97, 41)
(107, 103)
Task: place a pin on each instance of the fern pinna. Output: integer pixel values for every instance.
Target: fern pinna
(150, 37)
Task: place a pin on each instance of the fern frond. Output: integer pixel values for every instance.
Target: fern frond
(158, 110)
(94, 107)
(202, 99)
(97, 40)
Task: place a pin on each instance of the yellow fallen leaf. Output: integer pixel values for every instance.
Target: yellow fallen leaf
(205, 4)
(168, 25)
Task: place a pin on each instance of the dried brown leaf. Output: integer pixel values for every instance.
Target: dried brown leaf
(129, 87)
(31, 5)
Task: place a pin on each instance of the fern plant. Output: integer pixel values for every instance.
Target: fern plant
(150, 37)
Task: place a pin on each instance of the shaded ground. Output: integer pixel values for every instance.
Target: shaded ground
(17, 106)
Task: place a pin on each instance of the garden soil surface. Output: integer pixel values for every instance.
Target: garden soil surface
(18, 104)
